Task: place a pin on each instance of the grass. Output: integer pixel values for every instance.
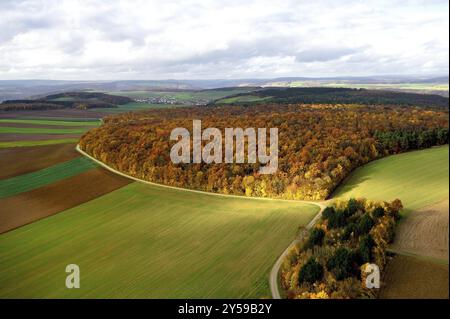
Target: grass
(26, 182)
(146, 241)
(37, 143)
(40, 130)
(51, 122)
(418, 179)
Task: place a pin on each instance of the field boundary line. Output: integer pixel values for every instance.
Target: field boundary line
(273, 277)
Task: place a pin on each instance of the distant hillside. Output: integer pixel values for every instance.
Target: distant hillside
(68, 100)
(20, 89)
(336, 96)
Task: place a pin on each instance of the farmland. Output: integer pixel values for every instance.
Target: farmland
(149, 241)
(26, 143)
(26, 182)
(418, 178)
(133, 240)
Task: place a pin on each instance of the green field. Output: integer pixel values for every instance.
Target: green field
(51, 122)
(146, 241)
(26, 182)
(418, 179)
(40, 130)
(242, 98)
(37, 143)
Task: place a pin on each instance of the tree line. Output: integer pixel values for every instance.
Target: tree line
(319, 145)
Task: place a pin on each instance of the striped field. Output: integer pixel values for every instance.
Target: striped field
(26, 182)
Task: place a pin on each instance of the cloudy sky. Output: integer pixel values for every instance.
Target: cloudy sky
(134, 39)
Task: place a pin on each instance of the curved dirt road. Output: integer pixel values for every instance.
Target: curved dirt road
(273, 277)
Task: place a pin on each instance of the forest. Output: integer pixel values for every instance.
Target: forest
(319, 145)
(330, 261)
(75, 100)
(344, 96)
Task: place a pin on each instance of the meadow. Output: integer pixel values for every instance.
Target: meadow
(144, 241)
(417, 178)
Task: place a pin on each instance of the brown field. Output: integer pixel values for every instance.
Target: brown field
(72, 113)
(30, 206)
(21, 160)
(425, 232)
(413, 277)
(41, 126)
(7, 137)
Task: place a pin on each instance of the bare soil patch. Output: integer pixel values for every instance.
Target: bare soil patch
(425, 232)
(412, 277)
(21, 160)
(30, 206)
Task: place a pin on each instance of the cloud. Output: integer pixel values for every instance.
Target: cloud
(137, 39)
(323, 54)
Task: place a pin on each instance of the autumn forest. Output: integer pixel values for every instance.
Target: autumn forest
(319, 145)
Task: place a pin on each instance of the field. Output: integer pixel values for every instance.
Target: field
(184, 96)
(26, 182)
(410, 277)
(50, 199)
(148, 241)
(40, 130)
(418, 178)
(136, 106)
(244, 98)
(425, 232)
(22, 160)
(51, 122)
(26, 143)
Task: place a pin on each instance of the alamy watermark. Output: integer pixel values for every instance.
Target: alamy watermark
(372, 279)
(258, 151)
(73, 279)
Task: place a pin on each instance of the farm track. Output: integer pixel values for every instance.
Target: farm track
(273, 277)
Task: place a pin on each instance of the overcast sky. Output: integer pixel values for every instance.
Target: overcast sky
(92, 40)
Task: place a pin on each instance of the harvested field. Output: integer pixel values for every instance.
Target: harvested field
(48, 200)
(11, 137)
(425, 232)
(412, 277)
(22, 160)
(26, 182)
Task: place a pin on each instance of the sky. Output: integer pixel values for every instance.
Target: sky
(136, 39)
